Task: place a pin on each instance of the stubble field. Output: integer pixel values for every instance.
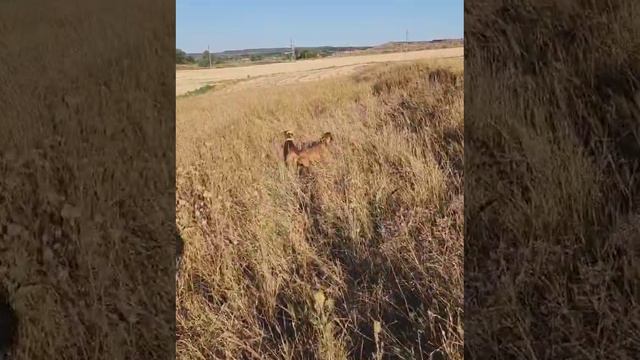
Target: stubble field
(305, 70)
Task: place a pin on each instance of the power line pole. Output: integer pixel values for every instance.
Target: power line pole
(209, 51)
(293, 50)
(406, 39)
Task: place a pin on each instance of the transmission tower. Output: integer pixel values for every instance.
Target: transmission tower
(406, 40)
(293, 50)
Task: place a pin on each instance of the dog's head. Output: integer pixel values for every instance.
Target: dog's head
(288, 134)
(326, 138)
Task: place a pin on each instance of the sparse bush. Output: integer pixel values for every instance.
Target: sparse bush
(181, 56)
(203, 61)
(306, 54)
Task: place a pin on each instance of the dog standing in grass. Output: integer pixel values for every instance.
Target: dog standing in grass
(308, 154)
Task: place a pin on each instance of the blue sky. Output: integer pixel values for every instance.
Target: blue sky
(242, 24)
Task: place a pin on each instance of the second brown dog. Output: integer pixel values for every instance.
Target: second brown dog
(308, 154)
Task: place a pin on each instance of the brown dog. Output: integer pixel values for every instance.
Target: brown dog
(290, 149)
(307, 154)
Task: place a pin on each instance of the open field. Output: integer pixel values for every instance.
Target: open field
(361, 257)
(189, 80)
(311, 75)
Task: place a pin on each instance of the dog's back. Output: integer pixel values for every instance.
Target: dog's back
(315, 151)
(307, 154)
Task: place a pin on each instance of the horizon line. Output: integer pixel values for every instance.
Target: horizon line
(314, 46)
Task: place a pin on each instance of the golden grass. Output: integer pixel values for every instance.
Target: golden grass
(551, 251)
(362, 257)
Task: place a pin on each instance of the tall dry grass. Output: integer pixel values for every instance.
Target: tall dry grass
(551, 254)
(362, 257)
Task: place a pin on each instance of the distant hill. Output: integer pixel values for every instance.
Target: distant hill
(249, 52)
(280, 51)
(394, 46)
(265, 55)
(435, 41)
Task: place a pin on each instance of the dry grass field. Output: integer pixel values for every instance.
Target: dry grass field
(362, 257)
(552, 192)
(189, 80)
